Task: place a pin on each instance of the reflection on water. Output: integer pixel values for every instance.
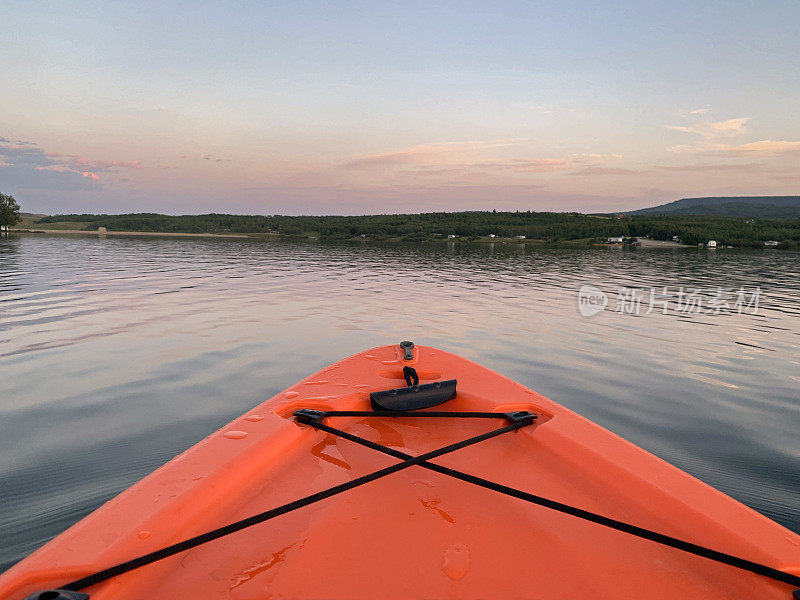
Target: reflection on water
(119, 353)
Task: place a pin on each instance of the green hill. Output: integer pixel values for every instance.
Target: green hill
(763, 207)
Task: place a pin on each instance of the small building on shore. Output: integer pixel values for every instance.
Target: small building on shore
(771, 244)
(615, 240)
(519, 237)
(711, 244)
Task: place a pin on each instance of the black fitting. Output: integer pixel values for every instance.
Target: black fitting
(57, 595)
(410, 375)
(521, 415)
(407, 346)
(309, 416)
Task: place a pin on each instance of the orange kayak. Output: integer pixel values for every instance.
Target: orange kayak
(343, 487)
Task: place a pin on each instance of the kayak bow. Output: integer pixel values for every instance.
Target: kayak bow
(410, 472)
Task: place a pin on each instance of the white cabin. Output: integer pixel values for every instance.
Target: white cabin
(712, 244)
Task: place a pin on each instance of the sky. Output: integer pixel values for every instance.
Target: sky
(385, 107)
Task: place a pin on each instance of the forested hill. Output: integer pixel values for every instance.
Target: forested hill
(764, 207)
(544, 226)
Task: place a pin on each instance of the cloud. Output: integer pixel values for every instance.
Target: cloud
(714, 130)
(216, 160)
(703, 167)
(699, 111)
(712, 142)
(602, 171)
(459, 161)
(435, 153)
(542, 165)
(76, 163)
(591, 158)
(27, 166)
(760, 148)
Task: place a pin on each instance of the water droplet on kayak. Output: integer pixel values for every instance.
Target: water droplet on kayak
(456, 561)
(370, 356)
(259, 568)
(197, 478)
(235, 435)
(292, 394)
(320, 382)
(390, 362)
(143, 535)
(254, 418)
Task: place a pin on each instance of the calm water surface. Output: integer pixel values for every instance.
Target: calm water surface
(116, 354)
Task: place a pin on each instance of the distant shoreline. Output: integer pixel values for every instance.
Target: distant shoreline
(531, 228)
(645, 243)
(139, 233)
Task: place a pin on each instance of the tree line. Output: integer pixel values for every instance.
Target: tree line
(546, 226)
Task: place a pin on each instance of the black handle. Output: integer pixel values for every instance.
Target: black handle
(414, 397)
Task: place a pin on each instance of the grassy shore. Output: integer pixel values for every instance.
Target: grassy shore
(68, 231)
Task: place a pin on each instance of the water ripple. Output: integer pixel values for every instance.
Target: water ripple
(119, 353)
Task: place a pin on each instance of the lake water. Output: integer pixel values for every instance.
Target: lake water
(118, 353)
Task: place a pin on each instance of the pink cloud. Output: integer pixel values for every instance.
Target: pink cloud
(78, 163)
(761, 148)
(600, 171)
(714, 130)
(703, 167)
(434, 153)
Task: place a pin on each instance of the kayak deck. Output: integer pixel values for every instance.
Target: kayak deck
(415, 533)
